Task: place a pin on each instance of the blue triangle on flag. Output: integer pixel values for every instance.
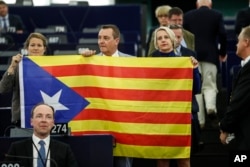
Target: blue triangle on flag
(38, 84)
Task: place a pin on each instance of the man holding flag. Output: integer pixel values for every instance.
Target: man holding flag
(108, 41)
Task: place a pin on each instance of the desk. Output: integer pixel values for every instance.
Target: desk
(89, 150)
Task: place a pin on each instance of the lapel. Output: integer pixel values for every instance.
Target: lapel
(29, 146)
(52, 151)
(236, 71)
(239, 70)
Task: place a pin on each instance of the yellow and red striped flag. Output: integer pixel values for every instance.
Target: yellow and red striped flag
(145, 103)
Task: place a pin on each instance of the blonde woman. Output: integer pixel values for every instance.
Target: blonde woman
(165, 42)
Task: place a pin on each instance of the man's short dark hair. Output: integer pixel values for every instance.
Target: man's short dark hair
(175, 11)
(116, 31)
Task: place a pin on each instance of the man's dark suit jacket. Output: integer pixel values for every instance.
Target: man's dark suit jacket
(242, 19)
(16, 21)
(187, 52)
(207, 25)
(237, 118)
(60, 152)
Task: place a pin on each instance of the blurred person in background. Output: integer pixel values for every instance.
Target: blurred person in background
(9, 22)
(242, 19)
(175, 16)
(161, 13)
(207, 25)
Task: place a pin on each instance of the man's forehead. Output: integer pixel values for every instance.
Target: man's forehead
(42, 108)
(2, 5)
(106, 30)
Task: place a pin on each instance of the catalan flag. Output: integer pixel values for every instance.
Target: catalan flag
(145, 103)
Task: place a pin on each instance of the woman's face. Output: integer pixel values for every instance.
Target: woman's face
(36, 47)
(163, 20)
(164, 42)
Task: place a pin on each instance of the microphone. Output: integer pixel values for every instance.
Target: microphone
(33, 23)
(27, 157)
(67, 24)
(8, 128)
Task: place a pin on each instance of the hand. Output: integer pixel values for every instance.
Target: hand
(87, 52)
(223, 58)
(14, 62)
(223, 137)
(19, 31)
(194, 62)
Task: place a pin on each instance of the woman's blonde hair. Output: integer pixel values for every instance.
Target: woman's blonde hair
(169, 32)
(162, 10)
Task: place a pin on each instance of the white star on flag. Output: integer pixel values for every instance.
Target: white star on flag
(54, 100)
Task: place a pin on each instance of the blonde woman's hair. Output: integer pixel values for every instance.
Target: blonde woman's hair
(169, 32)
(162, 10)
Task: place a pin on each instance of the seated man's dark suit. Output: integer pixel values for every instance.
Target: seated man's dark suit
(60, 152)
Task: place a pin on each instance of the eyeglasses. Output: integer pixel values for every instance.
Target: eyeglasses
(164, 15)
